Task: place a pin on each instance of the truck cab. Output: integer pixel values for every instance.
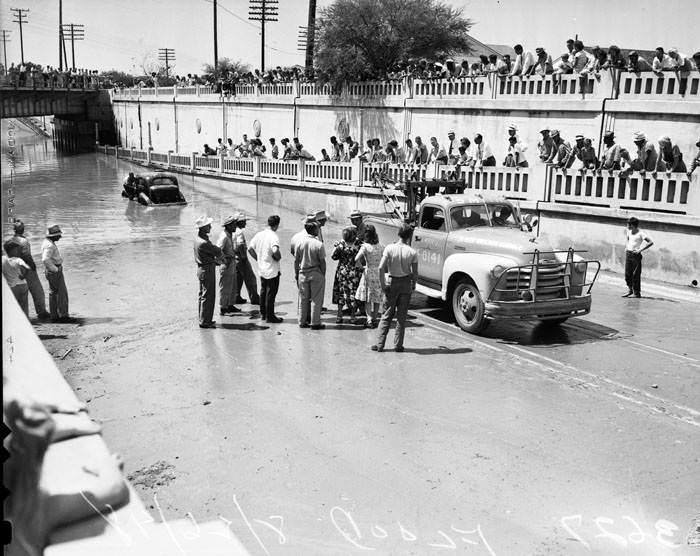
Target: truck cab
(477, 254)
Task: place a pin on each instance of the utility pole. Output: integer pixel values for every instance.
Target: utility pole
(166, 55)
(5, 40)
(263, 11)
(216, 42)
(60, 35)
(302, 38)
(310, 35)
(76, 32)
(21, 15)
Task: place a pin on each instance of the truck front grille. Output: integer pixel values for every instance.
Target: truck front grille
(551, 281)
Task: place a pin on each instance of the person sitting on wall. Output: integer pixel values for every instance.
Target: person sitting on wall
(564, 65)
(670, 157)
(637, 63)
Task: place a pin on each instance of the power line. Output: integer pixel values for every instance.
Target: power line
(21, 17)
(263, 11)
(76, 32)
(5, 40)
(166, 55)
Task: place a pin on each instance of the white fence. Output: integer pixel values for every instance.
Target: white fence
(673, 193)
(669, 193)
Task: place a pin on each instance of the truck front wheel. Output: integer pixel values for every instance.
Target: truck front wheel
(468, 307)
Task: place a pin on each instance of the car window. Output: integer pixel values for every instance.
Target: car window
(432, 218)
(502, 216)
(468, 216)
(163, 181)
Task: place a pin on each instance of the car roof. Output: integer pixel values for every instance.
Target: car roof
(151, 175)
(463, 199)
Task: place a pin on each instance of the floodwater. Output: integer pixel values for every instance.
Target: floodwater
(581, 440)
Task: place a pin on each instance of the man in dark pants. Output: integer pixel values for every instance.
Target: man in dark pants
(53, 264)
(400, 261)
(637, 241)
(35, 288)
(207, 256)
(265, 249)
(244, 271)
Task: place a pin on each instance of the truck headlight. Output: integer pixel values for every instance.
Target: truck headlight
(497, 270)
(581, 266)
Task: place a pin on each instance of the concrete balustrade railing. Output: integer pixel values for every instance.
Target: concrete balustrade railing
(670, 193)
(343, 173)
(669, 85)
(673, 193)
(605, 84)
(472, 87)
(280, 169)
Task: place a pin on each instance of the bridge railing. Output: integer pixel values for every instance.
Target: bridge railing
(672, 192)
(670, 85)
(375, 88)
(463, 87)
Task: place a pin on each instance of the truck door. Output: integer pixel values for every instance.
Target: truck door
(429, 240)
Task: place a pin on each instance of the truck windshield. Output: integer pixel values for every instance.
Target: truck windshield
(471, 216)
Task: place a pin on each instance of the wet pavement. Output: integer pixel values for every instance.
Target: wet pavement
(582, 439)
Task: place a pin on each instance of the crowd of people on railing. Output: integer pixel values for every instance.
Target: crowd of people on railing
(37, 76)
(464, 153)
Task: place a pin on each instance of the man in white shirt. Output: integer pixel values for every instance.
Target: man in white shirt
(483, 155)
(265, 249)
(636, 241)
(451, 149)
(53, 266)
(15, 271)
(524, 60)
(662, 62)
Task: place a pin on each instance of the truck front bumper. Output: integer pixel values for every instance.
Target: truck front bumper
(554, 309)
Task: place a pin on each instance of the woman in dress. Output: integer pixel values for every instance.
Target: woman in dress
(370, 288)
(347, 275)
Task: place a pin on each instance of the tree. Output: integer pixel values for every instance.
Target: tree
(223, 68)
(360, 38)
(114, 77)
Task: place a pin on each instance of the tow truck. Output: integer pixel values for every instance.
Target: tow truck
(480, 257)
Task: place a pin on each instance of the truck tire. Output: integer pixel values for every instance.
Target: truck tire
(468, 307)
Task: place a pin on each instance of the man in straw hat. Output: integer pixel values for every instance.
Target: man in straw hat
(207, 256)
(35, 288)
(646, 154)
(53, 266)
(227, 270)
(356, 219)
(611, 159)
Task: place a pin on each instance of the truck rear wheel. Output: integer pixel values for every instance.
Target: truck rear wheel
(468, 307)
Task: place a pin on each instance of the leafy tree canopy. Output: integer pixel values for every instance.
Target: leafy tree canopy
(357, 39)
(224, 67)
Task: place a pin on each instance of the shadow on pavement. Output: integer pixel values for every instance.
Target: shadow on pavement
(546, 334)
(246, 326)
(440, 350)
(53, 336)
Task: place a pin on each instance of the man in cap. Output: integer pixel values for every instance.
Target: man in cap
(581, 152)
(310, 271)
(320, 218)
(637, 63)
(636, 242)
(544, 65)
(227, 270)
(646, 154)
(33, 283)
(546, 147)
(15, 271)
(356, 220)
(400, 261)
(265, 249)
(208, 257)
(53, 266)
(244, 271)
(696, 161)
(611, 158)
(562, 150)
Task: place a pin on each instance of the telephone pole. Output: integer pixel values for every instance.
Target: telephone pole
(263, 11)
(166, 55)
(21, 17)
(5, 40)
(60, 35)
(310, 35)
(216, 42)
(76, 32)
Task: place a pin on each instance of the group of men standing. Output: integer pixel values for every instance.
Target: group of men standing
(20, 272)
(399, 262)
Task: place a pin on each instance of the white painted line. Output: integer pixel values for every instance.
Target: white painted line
(695, 362)
(678, 293)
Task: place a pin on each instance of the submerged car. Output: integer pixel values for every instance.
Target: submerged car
(153, 188)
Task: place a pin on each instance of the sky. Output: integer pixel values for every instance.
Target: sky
(126, 34)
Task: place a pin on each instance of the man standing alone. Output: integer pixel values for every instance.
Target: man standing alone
(53, 265)
(400, 261)
(207, 256)
(310, 269)
(35, 288)
(265, 249)
(227, 271)
(637, 241)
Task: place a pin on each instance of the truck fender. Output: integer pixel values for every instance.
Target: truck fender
(475, 265)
